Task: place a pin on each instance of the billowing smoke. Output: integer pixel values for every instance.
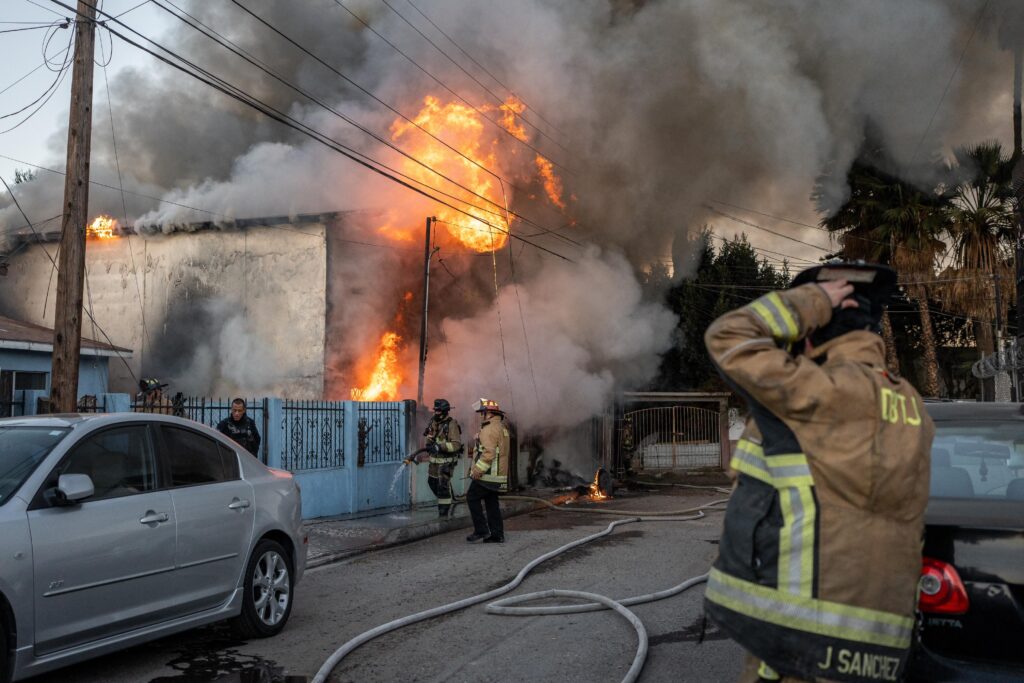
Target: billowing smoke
(649, 111)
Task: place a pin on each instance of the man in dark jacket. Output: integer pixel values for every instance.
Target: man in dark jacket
(241, 428)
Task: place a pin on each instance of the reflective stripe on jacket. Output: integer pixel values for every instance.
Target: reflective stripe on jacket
(492, 452)
(821, 549)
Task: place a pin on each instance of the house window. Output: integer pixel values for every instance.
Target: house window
(30, 381)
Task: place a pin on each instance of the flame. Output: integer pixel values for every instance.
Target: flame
(595, 490)
(552, 183)
(386, 376)
(102, 227)
(461, 127)
(509, 110)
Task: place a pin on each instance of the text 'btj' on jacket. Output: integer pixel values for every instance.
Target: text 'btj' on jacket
(821, 549)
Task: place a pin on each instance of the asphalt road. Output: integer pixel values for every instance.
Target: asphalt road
(337, 602)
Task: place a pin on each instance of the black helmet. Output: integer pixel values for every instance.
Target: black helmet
(441, 405)
(873, 286)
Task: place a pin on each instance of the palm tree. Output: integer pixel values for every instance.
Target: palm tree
(982, 231)
(889, 220)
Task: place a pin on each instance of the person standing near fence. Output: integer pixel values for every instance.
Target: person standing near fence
(443, 447)
(489, 473)
(241, 428)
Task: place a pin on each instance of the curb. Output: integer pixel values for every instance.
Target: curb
(423, 530)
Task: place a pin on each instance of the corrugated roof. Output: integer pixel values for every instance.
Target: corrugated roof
(18, 331)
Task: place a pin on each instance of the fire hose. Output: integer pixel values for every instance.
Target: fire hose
(505, 606)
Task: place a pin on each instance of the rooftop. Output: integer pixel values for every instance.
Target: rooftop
(17, 335)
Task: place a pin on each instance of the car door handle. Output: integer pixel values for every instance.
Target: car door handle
(154, 517)
(237, 504)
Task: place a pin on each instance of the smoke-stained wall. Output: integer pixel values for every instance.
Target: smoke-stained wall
(213, 312)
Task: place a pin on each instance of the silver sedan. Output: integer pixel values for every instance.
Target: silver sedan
(118, 529)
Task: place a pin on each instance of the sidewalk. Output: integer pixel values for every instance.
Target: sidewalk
(335, 538)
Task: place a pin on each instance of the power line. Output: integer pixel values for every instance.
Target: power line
(54, 262)
(263, 67)
(437, 80)
(111, 187)
(251, 101)
(471, 76)
(27, 28)
(482, 67)
(755, 225)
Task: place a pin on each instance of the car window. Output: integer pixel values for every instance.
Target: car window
(230, 459)
(972, 459)
(21, 451)
(194, 458)
(119, 461)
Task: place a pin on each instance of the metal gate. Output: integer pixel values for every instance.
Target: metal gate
(673, 437)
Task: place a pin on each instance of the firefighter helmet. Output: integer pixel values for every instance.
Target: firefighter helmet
(486, 405)
(441, 405)
(873, 286)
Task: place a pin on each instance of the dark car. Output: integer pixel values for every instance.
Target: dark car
(972, 579)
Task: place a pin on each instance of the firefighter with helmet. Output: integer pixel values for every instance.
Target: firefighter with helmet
(489, 473)
(820, 552)
(443, 447)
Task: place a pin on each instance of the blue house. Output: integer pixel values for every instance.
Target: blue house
(25, 359)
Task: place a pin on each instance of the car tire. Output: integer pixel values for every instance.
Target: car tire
(5, 662)
(267, 598)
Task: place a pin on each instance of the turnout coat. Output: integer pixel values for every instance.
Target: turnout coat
(821, 549)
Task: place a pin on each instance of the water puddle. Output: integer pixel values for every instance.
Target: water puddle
(212, 656)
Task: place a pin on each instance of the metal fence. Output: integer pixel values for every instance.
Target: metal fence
(675, 437)
(209, 411)
(313, 435)
(379, 433)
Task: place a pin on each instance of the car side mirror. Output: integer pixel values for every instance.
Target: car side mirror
(71, 489)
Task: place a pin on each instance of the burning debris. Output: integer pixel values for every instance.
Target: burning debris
(102, 228)
(385, 377)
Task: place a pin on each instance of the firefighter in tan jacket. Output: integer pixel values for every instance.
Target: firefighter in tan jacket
(821, 549)
(489, 474)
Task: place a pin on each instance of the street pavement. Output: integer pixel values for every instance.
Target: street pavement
(340, 599)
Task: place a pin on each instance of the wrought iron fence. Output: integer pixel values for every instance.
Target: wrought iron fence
(209, 411)
(313, 435)
(379, 433)
(676, 437)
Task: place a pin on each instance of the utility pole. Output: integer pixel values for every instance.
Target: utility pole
(67, 326)
(426, 304)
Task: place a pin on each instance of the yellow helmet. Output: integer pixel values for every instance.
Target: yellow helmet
(486, 404)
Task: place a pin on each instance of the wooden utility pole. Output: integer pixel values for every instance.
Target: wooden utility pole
(423, 321)
(67, 325)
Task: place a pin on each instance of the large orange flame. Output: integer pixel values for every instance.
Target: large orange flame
(386, 375)
(485, 229)
(102, 227)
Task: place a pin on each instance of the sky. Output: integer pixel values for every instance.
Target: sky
(45, 131)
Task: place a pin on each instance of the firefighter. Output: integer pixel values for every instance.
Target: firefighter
(489, 473)
(820, 553)
(443, 446)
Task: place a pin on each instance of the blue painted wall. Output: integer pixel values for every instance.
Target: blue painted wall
(93, 371)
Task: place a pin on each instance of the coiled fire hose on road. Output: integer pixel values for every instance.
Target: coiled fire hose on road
(504, 607)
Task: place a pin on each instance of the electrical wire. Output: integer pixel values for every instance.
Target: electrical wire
(755, 225)
(240, 95)
(497, 97)
(483, 68)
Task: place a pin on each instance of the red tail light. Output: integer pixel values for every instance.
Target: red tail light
(940, 589)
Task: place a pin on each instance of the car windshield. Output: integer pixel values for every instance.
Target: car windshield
(973, 459)
(21, 451)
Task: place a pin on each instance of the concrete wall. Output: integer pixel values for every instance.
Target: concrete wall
(215, 312)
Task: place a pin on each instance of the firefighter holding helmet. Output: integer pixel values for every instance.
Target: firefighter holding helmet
(443, 446)
(489, 473)
(821, 548)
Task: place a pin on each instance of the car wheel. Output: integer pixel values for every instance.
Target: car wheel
(267, 601)
(5, 664)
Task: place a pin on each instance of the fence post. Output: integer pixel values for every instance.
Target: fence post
(352, 452)
(723, 432)
(273, 416)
